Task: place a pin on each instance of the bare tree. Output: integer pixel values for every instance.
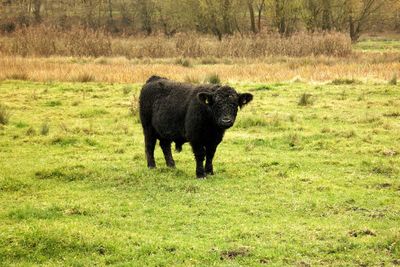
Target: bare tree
(358, 16)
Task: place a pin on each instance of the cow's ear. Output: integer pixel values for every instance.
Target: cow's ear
(244, 99)
(205, 98)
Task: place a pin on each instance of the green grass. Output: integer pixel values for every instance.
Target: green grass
(294, 185)
(377, 44)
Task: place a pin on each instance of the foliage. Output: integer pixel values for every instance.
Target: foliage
(218, 17)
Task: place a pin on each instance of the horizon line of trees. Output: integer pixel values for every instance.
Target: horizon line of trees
(218, 17)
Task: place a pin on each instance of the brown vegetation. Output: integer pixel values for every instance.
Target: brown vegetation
(48, 41)
(361, 66)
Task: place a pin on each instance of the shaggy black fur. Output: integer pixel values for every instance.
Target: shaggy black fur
(180, 113)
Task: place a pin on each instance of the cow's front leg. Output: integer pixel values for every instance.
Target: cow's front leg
(199, 154)
(210, 151)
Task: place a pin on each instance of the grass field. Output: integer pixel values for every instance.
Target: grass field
(309, 175)
(388, 42)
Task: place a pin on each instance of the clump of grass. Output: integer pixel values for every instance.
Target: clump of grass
(21, 124)
(349, 134)
(343, 95)
(31, 131)
(91, 142)
(347, 81)
(185, 62)
(392, 114)
(70, 173)
(294, 140)
(127, 89)
(63, 141)
(326, 130)
(305, 100)
(134, 106)
(251, 121)
(101, 60)
(84, 78)
(209, 61)
(119, 151)
(191, 79)
(393, 81)
(213, 78)
(53, 103)
(18, 76)
(383, 169)
(90, 113)
(44, 128)
(262, 88)
(4, 114)
(75, 103)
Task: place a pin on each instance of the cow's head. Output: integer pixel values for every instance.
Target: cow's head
(224, 103)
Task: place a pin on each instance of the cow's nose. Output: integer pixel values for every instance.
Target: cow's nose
(226, 120)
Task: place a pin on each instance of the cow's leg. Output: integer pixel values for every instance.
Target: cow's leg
(166, 148)
(210, 151)
(150, 140)
(199, 154)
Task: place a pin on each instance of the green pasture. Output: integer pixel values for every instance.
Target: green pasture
(308, 176)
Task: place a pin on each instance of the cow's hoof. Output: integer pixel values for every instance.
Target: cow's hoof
(202, 177)
(151, 167)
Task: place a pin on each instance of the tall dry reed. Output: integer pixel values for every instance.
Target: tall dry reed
(49, 41)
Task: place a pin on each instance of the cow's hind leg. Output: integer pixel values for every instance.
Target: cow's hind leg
(166, 148)
(150, 140)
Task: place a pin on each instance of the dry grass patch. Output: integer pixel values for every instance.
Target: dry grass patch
(47, 41)
(271, 69)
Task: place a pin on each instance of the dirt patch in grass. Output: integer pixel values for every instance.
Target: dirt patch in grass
(234, 253)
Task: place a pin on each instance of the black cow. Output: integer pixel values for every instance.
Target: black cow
(180, 113)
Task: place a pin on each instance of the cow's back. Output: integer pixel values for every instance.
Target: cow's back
(163, 106)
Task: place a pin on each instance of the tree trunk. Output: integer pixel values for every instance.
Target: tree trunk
(252, 20)
(354, 33)
(260, 8)
(225, 17)
(326, 16)
(36, 10)
(280, 17)
(110, 11)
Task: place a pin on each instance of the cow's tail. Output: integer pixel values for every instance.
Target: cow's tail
(154, 78)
